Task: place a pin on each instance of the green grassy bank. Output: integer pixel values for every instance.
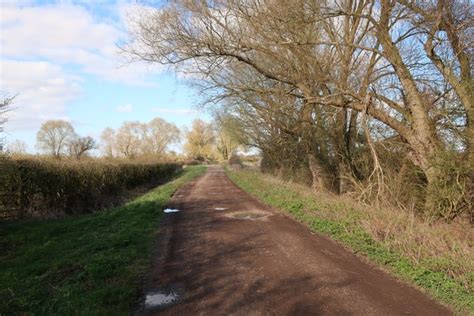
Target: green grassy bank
(87, 264)
(437, 257)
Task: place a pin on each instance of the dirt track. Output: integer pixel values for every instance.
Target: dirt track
(269, 265)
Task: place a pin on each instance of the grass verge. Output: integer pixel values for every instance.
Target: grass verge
(89, 264)
(434, 257)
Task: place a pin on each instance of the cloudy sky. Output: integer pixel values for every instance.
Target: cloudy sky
(61, 60)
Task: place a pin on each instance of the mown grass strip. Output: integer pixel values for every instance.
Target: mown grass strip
(346, 231)
(89, 264)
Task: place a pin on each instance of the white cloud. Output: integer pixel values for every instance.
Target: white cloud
(43, 90)
(127, 108)
(178, 111)
(43, 30)
(45, 50)
(68, 34)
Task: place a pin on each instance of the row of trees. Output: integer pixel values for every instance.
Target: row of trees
(365, 95)
(215, 141)
(203, 141)
(135, 139)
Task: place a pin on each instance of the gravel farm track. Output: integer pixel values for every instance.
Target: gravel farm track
(225, 253)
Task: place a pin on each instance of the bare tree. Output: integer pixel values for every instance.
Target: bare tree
(78, 146)
(199, 141)
(159, 135)
(17, 147)
(107, 142)
(227, 136)
(128, 139)
(452, 54)
(137, 139)
(5, 106)
(54, 137)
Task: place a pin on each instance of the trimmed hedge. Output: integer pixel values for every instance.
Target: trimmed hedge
(46, 187)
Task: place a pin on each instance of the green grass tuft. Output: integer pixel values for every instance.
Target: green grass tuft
(89, 264)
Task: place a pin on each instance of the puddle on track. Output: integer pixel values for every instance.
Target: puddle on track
(171, 210)
(158, 299)
(250, 215)
(220, 208)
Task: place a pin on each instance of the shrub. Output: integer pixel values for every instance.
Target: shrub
(235, 161)
(449, 196)
(193, 162)
(33, 187)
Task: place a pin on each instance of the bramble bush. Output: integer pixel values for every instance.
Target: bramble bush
(42, 187)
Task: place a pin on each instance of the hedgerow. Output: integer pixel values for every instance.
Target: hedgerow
(35, 187)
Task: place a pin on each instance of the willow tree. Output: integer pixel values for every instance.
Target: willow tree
(228, 137)
(159, 135)
(200, 141)
(54, 137)
(107, 142)
(134, 139)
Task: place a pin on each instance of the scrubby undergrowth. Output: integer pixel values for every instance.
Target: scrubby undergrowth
(438, 257)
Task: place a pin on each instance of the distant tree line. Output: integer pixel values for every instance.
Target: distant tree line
(135, 139)
(214, 141)
(204, 142)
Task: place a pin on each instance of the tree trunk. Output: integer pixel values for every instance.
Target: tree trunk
(470, 161)
(317, 172)
(470, 136)
(432, 176)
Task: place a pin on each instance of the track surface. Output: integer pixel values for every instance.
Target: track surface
(267, 266)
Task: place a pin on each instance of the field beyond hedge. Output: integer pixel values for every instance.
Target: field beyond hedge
(88, 264)
(46, 187)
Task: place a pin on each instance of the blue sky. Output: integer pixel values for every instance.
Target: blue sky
(61, 59)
